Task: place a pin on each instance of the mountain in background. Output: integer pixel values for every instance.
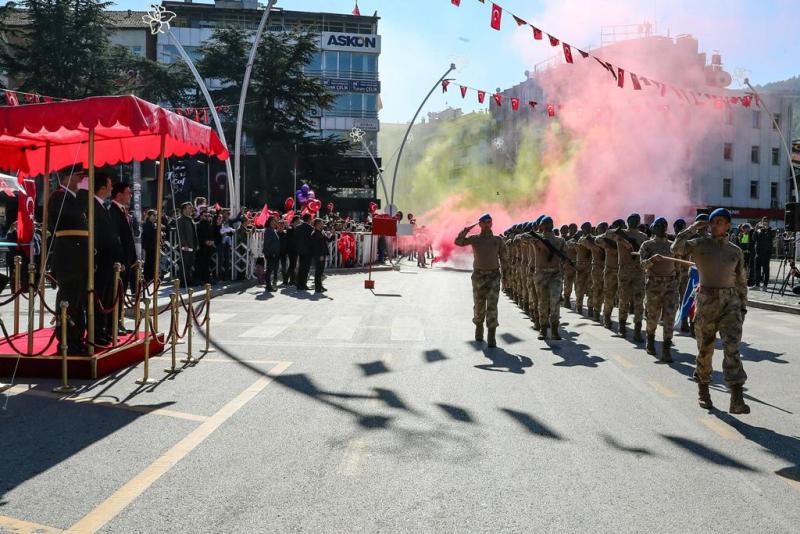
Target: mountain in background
(792, 85)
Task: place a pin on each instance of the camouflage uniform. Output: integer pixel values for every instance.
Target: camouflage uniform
(610, 276)
(598, 263)
(549, 279)
(721, 302)
(571, 250)
(485, 294)
(583, 267)
(661, 290)
(631, 279)
(490, 257)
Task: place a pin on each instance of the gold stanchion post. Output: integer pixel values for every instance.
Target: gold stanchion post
(45, 244)
(90, 333)
(115, 313)
(190, 312)
(159, 215)
(208, 348)
(146, 378)
(64, 387)
(17, 268)
(176, 284)
(137, 307)
(173, 332)
(31, 303)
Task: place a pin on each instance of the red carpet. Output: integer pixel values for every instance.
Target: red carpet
(105, 361)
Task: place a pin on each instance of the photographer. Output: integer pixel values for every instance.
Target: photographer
(320, 238)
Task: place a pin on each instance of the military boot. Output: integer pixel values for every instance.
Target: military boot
(554, 328)
(478, 332)
(567, 304)
(607, 321)
(737, 401)
(543, 332)
(579, 308)
(704, 397)
(491, 342)
(637, 332)
(666, 351)
(650, 346)
(685, 324)
(623, 329)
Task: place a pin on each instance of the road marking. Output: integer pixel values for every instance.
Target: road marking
(273, 325)
(120, 499)
(721, 429)
(150, 410)
(407, 329)
(622, 361)
(219, 317)
(222, 360)
(353, 457)
(17, 526)
(341, 328)
(664, 390)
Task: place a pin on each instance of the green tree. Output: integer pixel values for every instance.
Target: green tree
(280, 101)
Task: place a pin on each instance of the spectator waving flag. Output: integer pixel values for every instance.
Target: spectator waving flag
(687, 305)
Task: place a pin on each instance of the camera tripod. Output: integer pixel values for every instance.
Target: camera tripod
(787, 270)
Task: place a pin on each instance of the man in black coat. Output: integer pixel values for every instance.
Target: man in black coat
(302, 236)
(69, 257)
(763, 241)
(121, 194)
(205, 241)
(271, 249)
(187, 236)
(320, 252)
(290, 275)
(108, 251)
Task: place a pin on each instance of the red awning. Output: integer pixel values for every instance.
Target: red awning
(126, 128)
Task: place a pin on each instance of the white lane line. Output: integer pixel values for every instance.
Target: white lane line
(407, 329)
(341, 328)
(353, 457)
(721, 429)
(218, 317)
(272, 326)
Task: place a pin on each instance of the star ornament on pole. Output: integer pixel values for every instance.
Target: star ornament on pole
(157, 18)
(357, 135)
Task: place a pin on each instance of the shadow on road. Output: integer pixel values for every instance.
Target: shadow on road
(707, 453)
(614, 444)
(572, 353)
(531, 424)
(757, 355)
(504, 362)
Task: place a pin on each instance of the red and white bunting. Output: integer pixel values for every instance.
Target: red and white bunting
(497, 15)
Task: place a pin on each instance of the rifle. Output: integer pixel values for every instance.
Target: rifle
(553, 250)
(631, 241)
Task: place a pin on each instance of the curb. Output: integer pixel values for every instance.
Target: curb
(773, 306)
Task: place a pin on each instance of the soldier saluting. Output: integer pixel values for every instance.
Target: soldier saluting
(721, 303)
(489, 253)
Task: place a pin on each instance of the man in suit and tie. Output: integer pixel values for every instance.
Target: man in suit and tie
(121, 194)
(108, 250)
(187, 236)
(303, 241)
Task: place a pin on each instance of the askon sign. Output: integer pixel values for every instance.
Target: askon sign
(351, 42)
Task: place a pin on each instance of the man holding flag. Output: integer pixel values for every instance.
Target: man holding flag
(721, 304)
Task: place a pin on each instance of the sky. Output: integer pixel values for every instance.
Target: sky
(420, 38)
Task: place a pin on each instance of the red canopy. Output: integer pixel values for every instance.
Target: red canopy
(126, 128)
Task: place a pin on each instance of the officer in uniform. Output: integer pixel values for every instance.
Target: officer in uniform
(721, 304)
(631, 276)
(549, 277)
(489, 261)
(69, 256)
(583, 267)
(598, 267)
(661, 289)
(611, 270)
(571, 249)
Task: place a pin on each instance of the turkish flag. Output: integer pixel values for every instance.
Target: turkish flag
(620, 77)
(519, 21)
(608, 66)
(663, 89)
(481, 96)
(12, 98)
(567, 53)
(635, 81)
(553, 40)
(515, 104)
(584, 54)
(497, 15)
(746, 101)
(463, 91)
(498, 98)
(205, 116)
(356, 11)
(537, 33)
(26, 207)
(445, 83)
(261, 220)
(455, 2)
(551, 110)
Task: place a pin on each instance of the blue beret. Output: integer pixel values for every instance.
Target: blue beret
(661, 221)
(485, 217)
(586, 225)
(634, 216)
(702, 217)
(618, 222)
(679, 222)
(546, 219)
(720, 212)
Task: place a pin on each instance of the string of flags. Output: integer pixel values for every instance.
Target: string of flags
(619, 74)
(499, 98)
(16, 98)
(199, 114)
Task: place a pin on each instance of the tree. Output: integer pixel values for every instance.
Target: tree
(280, 101)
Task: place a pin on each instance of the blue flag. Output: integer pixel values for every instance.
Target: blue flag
(687, 304)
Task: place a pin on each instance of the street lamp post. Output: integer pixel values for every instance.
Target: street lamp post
(357, 136)
(408, 130)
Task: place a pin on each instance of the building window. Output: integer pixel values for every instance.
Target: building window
(330, 62)
(789, 190)
(777, 122)
(727, 151)
(728, 115)
(773, 195)
(726, 187)
(776, 156)
(316, 62)
(754, 154)
(756, 119)
(753, 188)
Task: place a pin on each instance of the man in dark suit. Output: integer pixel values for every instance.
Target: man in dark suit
(302, 236)
(108, 250)
(69, 256)
(121, 194)
(290, 276)
(187, 237)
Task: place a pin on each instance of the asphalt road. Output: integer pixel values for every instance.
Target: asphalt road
(374, 411)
